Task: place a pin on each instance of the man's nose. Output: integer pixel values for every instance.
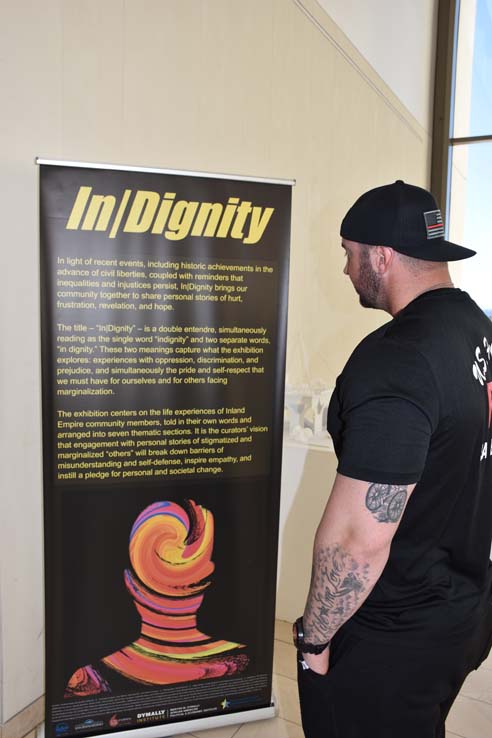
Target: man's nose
(345, 269)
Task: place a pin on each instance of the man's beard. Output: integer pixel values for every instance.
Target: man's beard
(368, 283)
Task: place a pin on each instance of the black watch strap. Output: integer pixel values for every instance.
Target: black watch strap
(301, 644)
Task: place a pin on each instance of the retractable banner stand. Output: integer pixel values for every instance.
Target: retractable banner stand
(164, 302)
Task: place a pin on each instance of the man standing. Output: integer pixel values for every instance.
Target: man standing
(400, 606)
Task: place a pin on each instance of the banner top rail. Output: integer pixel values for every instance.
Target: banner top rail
(157, 170)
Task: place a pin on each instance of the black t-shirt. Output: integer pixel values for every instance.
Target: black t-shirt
(414, 404)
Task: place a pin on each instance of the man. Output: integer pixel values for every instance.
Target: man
(400, 606)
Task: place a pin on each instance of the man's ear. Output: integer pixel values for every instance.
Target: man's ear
(382, 258)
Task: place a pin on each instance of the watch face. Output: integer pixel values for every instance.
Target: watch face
(294, 633)
(297, 634)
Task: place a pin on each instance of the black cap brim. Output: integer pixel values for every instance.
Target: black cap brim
(436, 250)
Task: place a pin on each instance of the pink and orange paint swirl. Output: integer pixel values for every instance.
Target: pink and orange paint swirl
(171, 564)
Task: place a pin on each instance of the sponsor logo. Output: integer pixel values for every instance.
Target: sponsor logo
(154, 715)
(140, 211)
(89, 724)
(61, 728)
(233, 703)
(114, 721)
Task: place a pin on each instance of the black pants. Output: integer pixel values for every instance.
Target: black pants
(387, 690)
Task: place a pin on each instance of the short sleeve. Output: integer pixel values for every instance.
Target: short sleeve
(389, 408)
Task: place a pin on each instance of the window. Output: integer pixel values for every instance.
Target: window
(462, 162)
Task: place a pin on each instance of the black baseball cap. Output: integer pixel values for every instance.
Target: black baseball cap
(405, 217)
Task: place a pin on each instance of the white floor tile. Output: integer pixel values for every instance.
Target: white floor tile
(286, 695)
(487, 664)
(227, 731)
(284, 659)
(274, 728)
(283, 631)
(470, 718)
(478, 685)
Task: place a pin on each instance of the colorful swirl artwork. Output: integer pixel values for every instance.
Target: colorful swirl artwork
(171, 564)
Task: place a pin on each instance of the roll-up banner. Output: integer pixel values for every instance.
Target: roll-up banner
(164, 308)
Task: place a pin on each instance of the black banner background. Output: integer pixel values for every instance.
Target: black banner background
(89, 612)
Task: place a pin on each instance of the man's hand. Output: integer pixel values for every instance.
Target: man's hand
(318, 663)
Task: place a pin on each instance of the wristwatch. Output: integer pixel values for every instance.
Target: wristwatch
(300, 643)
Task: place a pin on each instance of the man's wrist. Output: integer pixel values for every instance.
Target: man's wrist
(302, 643)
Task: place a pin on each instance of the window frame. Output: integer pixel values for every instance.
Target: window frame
(443, 115)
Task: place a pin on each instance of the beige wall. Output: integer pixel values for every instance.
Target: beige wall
(266, 88)
(397, 38)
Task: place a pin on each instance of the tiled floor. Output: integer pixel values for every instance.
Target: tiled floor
(470, 717)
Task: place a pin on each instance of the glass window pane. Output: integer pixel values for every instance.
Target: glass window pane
(473, 83)
(469, 218)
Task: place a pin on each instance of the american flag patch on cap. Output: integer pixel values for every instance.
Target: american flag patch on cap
(433, 224)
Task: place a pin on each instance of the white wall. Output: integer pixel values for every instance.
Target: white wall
(265, 88)
(397, 37)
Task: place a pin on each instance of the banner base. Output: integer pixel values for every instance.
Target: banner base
(188, 726)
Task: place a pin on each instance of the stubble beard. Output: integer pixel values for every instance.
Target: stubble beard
(369, 284)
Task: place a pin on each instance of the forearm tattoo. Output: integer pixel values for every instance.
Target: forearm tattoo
(386, 502)
(339, 585)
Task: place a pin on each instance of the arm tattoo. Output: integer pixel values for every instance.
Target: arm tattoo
(339, 585)
(386, 502)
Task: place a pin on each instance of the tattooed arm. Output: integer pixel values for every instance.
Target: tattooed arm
(351, 549)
